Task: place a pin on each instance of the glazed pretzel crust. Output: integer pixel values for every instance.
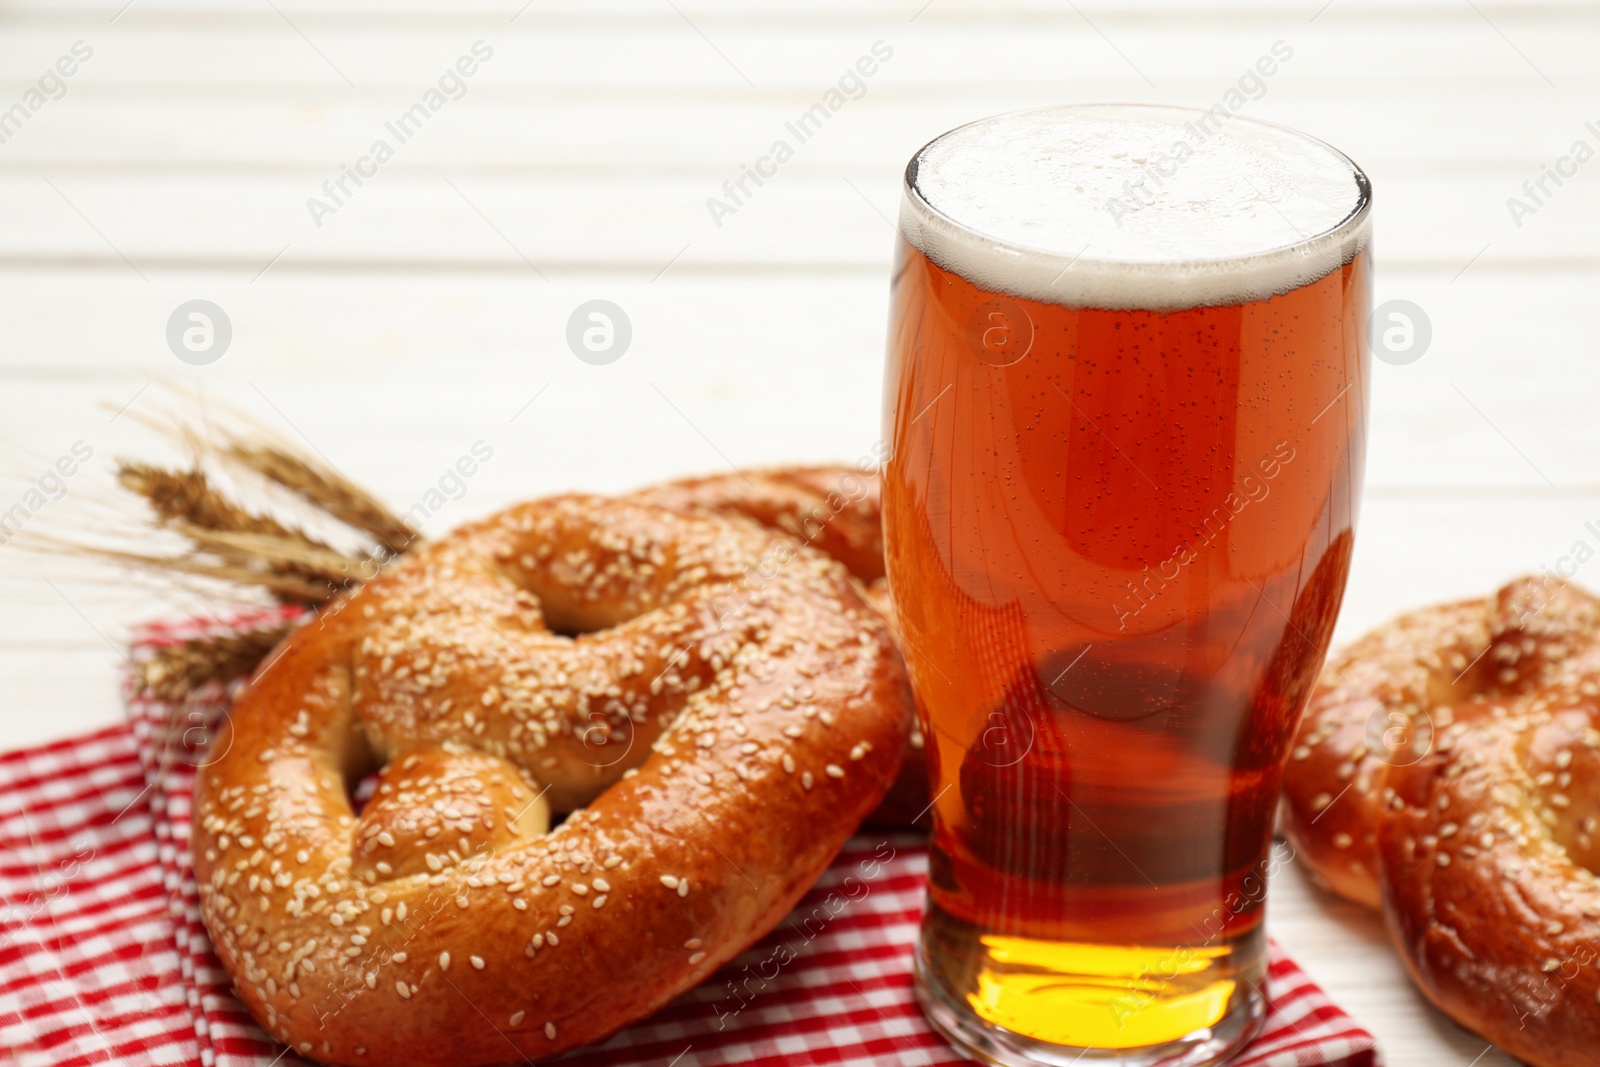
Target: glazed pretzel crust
(838, 511)
(727, 712)
(1479, 832)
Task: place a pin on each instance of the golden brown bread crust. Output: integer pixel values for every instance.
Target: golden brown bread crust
(838, 511)
(729, 712)
(835, 510)
(1368, 712)
(1496, 918)
(1477, 825)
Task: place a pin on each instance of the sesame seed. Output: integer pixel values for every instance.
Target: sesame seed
(693, 942)
(696, 958)
(385, 838)
(602, 885)
(600, 901)
(580, 889)
(552, 938)
(683, 887)
(399, 957)
(612, 861)
(477, 962)
(517, 1017)
(834, 770)
(550, 1031)
(806, 779)
(444, 961)
(788, 763)
(403, 989)
(551, 879)
(669, 881)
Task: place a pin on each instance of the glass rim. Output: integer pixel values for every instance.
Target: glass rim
(1328, 249)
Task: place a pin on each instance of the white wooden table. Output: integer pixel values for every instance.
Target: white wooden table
(427, 311)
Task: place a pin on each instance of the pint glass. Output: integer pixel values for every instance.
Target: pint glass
(1126, 402)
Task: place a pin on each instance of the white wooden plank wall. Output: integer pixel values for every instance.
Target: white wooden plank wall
(428, 310)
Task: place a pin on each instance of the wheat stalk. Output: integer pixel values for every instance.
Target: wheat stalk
(286, 589)
(231, 543)
(187, 497)
(328, 490)
(174, 673)
(245, 547)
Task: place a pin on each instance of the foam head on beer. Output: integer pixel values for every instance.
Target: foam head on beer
(1154, 208)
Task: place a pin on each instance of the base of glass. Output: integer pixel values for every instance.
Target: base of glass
(991, 1044)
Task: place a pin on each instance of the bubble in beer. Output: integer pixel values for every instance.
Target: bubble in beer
(1155, 208)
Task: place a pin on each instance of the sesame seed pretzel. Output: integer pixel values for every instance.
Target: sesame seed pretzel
(1448, 770)
(714, 705)
(836, 510)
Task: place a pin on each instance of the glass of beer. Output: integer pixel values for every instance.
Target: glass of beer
(1126, 403)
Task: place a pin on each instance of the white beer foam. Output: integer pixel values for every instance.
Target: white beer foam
(1130, 206)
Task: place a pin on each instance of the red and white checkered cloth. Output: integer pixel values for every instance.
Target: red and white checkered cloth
(103, 958)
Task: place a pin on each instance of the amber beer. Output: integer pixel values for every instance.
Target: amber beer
(1128, 433)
